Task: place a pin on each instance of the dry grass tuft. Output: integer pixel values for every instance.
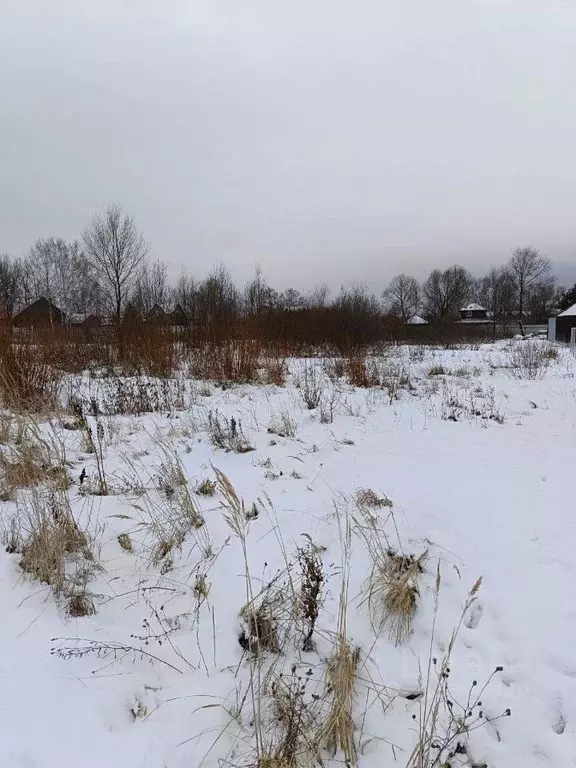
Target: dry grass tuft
(201, 587)
(291, 738)
(261, 632)
(206, 488)
(339, 726)
(341, 673)
(366, 497)
(31, 459)
(125, 542)
(393, 593)
(227, 434)
(282, 425)
(49, 540)
(27, 383)
(172, 514)
(437, 370)
(81, 605)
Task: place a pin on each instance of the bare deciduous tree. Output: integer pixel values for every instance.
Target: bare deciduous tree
(319, 296)
(496, 294)
(10, 283)
(117, 249)
(258, 295)
(59, 271)
(543, 299)
(402, 296)
(445, 292)
(185, 296)
(528, 269)
(151, 287)
(217, 300)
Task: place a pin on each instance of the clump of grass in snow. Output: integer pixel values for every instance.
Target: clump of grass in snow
(437, 370)
(282, 425)
(529, 359)
(174, 483)
(34, 458)
(310, 385)
(172, 514)
(125, 542)
(392, 587)
(291, 738)
(227, 434)
(341, 674)
(393, 592)
(49, 540)
(206, 488)
(366, 497)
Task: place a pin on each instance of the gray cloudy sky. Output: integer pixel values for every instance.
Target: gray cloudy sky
(326, 140)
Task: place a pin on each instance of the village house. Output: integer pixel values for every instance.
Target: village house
(42, 313)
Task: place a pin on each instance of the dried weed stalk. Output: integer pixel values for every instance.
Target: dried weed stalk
(338, 728)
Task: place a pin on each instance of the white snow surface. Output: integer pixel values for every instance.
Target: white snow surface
(570, 312)
(478, 465)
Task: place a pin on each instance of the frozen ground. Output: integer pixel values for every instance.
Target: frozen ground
(479, 466)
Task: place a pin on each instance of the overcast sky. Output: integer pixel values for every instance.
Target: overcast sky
(323, 139)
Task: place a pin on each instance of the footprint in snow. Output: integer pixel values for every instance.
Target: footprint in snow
(562, 667)
(559, 723)
(540, 752)
(474, 615)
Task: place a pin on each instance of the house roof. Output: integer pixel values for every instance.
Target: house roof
(473, 307)
(42, 307)
(570, 312)
(417, 320)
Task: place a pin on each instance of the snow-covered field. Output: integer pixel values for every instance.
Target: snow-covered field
(478, 465)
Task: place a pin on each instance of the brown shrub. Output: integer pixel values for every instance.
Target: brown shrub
(27, 383)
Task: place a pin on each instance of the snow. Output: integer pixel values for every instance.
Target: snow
(417, 320)
(478, 465)
(570, 312)
(473, 307)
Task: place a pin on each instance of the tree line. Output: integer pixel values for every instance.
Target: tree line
(523, 288)
(108, 271)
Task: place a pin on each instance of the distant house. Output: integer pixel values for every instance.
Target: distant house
(42, 313)
(475, 314)
(157, 315)
(177, 318)
(561, 327)
(416, 320)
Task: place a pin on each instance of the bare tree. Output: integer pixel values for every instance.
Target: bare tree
(495, 292)
(217, 301)
(528, 269)
(446, 291)
(319, 296)
(117, 249)
(543, 299)
(151, 287)
(291, 298)
(10, 283)
(185, 296)
(59, 271)
(402, 296)
(258, 295)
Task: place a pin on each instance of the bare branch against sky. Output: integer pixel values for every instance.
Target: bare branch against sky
(327, 140)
